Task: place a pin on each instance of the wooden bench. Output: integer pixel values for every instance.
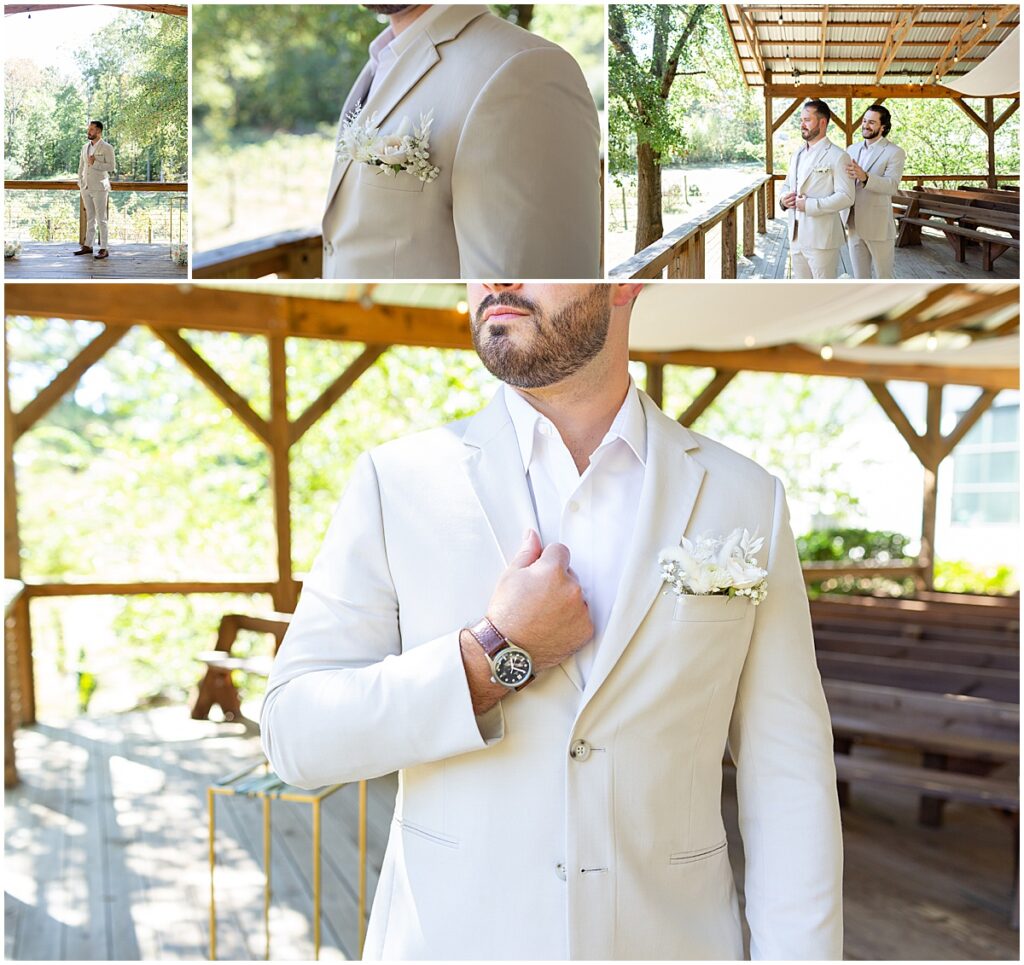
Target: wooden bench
(217, 686)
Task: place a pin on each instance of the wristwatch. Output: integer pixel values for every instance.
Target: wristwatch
(511, 666)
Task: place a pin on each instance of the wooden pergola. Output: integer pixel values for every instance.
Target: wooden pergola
(795, 52)
(976, 310)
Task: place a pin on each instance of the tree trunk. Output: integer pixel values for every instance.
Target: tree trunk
(649, 226)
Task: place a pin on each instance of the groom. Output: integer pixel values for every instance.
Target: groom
(515, 140)
(487, 615)
(94, 166)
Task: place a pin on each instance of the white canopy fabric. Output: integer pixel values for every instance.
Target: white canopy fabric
(998, 75)
(723, 317)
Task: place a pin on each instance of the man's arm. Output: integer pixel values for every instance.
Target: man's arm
(888, 181)
(842, 197)
(81, 168)
(780, 737)
(526, 175)
(344, 702)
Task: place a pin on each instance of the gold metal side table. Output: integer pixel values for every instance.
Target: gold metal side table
(256, 780)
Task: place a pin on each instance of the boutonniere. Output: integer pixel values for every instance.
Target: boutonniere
(361, 141)
(823, 169)
(716, 566)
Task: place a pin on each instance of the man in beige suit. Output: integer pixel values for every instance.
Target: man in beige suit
(876, 167)
(488, 615)
(515, 140)
(816, 190)
(94, 166)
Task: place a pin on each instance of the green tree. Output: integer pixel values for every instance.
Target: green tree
(652, 44)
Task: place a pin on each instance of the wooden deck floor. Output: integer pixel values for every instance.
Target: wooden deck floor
(933, 259)
(56, 261)
(106, 856)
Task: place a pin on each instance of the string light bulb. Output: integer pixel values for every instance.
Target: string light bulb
(826, 352)
(933, 342)
(462, 307)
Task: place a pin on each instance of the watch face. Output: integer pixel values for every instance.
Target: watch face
(512, 667)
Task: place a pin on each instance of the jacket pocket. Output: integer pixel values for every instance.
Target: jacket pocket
(372, 176)
(710, 609)
(688, 857)
(427, 834)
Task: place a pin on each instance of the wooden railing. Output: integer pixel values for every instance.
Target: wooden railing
(288, 254)
(919, 179)
(681, 253)
(173, 187)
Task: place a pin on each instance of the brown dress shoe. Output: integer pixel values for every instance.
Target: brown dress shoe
(83, 251)
(102, 253)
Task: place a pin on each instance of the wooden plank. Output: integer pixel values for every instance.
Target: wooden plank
(284, 594)
(150, 187)
(941, 651)
(88, 588)
(748, 228)
(40, 261)
(295, 254)
(729, 244)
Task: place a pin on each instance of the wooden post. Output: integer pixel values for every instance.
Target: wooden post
(933, 453)
(762, 193)
(284, 595)
(729, 244)
(82, 221)
(655, 385)
(849, 121)
(769, 147)
(748, 226)
(990, 133)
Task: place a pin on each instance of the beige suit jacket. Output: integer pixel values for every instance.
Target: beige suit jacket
(871, 216)
(96, 176)
(517, 141)
(503, 846)
(829, 190)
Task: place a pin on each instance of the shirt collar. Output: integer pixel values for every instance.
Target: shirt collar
(386, 45)
(629, 424)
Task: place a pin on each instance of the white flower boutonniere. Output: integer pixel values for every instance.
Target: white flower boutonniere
(823, 169)
(361, 141)
(716, 566)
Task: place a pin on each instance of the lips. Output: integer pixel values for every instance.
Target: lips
(503, 313)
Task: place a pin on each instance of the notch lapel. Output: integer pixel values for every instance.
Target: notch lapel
(672, 483)
(356, 96)
(494, 466)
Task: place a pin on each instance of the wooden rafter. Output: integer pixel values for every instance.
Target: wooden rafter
(1007, 114)
(708, 394)
(896, 37)
(942, 322)
(972, 29)
(1008, 327)
(206, 374)
(335, 391)
(918, 443)
(784, 116)
(971, 113)
(65, 380)
(750, 34)
(967, 422)
(824, 41)
(894, 324)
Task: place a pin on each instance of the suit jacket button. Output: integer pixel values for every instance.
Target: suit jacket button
(579, 750)
(560, 870)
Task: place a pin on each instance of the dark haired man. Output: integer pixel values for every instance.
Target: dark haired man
(94, 166)
(817, 188)
(876, 168)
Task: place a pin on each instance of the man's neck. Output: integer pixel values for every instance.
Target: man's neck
(582, 409)
(400, 21)
(811, 145)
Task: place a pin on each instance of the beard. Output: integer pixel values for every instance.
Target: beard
(387, 8)
(561, 345)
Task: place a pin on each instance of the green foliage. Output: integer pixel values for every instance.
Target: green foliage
(855, 545)
(959, 576)
(134, 77)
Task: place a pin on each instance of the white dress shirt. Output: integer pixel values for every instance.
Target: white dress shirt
(593, 514)
(386, 47)
(807, 157)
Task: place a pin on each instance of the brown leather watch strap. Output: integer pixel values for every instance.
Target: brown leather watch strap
(489, 637)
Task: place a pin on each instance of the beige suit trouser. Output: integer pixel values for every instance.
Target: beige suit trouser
(95, 201)
(864, 254)
(814, 262)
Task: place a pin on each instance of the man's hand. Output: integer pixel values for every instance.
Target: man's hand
(788, 199)
(537, 604)
(856, 171)
(801, 202)
(92, 158)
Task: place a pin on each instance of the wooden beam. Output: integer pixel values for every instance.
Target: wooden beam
(971, 113)
(750, 35)
(1008, 327)
(874, 91)
(933, 437)
(146, 588)
(983, 304)
(799, 360)
(209, 308)
(206, 374)
(334, 391)
(280, 474)
(824, 39)
(161, 187)
(895, 38)
(918, 443)
(769, 145)
(990, 132)
(655, 384)
(170, 9)
(784, 116)
(708, 394)
(12, 537)
(967, 422)
(966, 37)
(1008, 113)
(65, 380)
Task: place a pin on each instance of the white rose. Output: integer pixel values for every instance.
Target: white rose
(391, 150)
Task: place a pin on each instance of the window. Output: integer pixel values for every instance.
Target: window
(986, 470)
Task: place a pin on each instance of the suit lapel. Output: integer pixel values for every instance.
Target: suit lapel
(672, 482)
(494, 466)
(356, 96)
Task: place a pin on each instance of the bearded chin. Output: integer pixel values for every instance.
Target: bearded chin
(387, 8)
